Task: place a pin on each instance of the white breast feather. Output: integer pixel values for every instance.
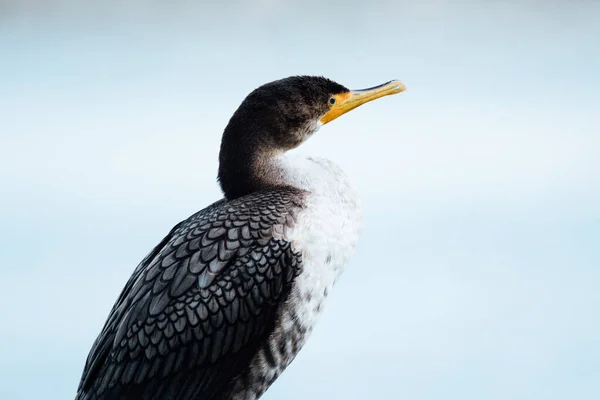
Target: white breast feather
(326, 232)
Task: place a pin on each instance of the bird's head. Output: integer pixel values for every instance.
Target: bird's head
(280, 115)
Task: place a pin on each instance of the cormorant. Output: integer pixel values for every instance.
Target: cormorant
(221, 306)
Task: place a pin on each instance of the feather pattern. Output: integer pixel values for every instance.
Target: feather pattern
(199, 304)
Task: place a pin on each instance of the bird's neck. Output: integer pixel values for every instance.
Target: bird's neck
(248, 166)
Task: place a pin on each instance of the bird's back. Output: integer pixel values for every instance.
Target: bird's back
(200, 305)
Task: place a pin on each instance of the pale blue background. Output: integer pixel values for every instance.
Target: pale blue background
(478, 270)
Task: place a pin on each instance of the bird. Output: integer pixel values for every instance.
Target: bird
(222, 305)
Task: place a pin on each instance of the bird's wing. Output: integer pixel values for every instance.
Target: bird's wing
(198, 306)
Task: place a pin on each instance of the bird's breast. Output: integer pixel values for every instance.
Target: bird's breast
(326, 232)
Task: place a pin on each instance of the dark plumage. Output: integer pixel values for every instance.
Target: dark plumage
(199, 305)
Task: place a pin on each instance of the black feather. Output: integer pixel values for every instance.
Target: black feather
(176, 319)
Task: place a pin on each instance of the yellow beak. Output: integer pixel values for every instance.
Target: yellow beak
(342, 103)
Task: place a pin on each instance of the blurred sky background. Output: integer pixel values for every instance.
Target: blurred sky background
(478, 272)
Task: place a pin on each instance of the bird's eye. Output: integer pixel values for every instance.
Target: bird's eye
(332, 100)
